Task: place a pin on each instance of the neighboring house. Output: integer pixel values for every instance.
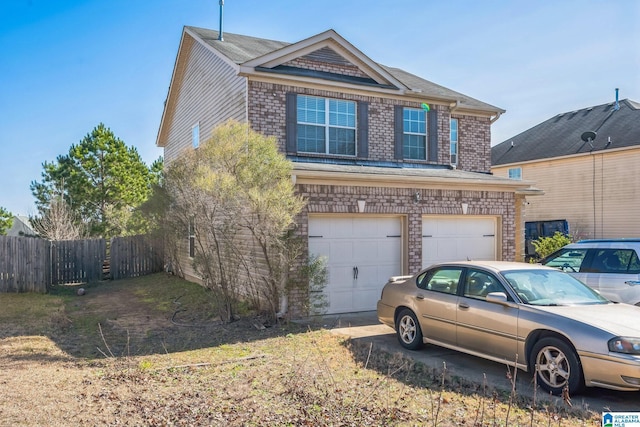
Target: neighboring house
(21, 227)
(593, 184)
(395, 169)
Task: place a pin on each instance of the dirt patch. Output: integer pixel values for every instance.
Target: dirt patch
(150, 352)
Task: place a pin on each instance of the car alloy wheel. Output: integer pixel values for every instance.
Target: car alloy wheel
(557, 366)
(408, 330)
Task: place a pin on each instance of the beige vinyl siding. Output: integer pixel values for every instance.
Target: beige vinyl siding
(253, 260)
(598, 194)
(206, 90)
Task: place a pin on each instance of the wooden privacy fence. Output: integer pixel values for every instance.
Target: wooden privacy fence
(30, 264)
(77, 261)
(135, 256)
(25, 264)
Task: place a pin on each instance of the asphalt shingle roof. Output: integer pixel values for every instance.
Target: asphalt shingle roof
(561, 135)
(240, 49)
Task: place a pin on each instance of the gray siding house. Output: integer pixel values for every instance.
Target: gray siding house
(395, 169)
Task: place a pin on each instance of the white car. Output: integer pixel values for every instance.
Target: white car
(611, 267)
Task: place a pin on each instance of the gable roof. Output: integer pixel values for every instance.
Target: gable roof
(21, 227)
(256, 55)
(560, 136)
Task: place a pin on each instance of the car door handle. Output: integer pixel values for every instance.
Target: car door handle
(463, 305)
(632, 282)
(419, 296)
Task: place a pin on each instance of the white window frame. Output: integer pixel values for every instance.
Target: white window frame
(415, 133)
(195, 135)
(454, 142)
(515, 173)
(328, 126)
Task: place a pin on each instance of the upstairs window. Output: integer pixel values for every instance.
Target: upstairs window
(195, 135)
(515, 173)
(414, 139)
(326, 126)
(453, 138)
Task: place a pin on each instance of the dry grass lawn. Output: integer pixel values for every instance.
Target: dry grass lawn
(147, 352)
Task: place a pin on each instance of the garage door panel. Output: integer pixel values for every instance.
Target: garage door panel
(341, 301)
(360, 242)
(389, 251)
(458, 238)
(365, 299)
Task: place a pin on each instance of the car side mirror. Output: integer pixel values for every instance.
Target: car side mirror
(497, 298)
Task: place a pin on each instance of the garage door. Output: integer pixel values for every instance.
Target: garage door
(362, 253)
(458, 238)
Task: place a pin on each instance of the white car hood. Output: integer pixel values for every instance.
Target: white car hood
(618, 319)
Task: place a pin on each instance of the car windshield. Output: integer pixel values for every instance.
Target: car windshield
(549, 287)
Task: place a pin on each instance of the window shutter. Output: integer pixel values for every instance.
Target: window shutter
(363, 129)
(292, 122)
(398, 131)
(433, 135)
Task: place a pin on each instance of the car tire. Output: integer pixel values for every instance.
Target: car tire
(408, 330)
(557, 366)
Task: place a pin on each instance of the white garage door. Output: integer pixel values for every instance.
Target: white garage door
(458, 239)
(362, 253)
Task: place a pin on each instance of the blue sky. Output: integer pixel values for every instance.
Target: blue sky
(68, 65)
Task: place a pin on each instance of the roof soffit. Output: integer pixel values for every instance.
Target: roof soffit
(318, 173)
(328, 39)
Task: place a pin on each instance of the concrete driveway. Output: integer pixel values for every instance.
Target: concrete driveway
(365, 327)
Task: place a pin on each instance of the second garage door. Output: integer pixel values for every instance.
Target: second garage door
(362, 253)
(458, 238)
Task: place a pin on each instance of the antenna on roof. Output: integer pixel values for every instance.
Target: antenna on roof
(220, 32)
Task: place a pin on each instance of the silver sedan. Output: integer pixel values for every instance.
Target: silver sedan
(533, 317)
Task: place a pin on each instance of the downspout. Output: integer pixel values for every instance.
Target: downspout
(284, 306)
(492, 121)
(284, 299)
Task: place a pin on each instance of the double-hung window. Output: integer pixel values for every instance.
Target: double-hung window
(453, 138)
(326, 126)
(414, 139)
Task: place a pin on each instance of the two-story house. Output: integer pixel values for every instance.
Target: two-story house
(394, 168)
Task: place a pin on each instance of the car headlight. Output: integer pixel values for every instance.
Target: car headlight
(625, 345)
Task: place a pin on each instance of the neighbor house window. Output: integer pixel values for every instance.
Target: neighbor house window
(453, 138)
(326, 126)
(192, 238)
(515, 173)
(195, 135)
(414, 142)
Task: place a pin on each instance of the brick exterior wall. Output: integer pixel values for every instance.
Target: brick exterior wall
(474, 146)
(308, 64)
(267, 115)
(399, 201)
